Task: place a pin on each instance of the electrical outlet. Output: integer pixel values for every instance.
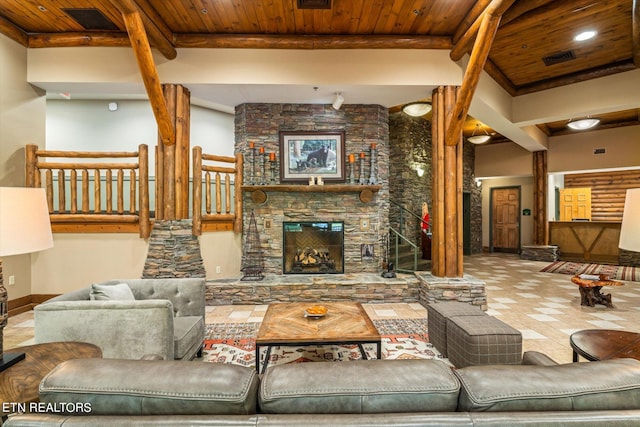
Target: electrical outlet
(12, 280)
(218, 269)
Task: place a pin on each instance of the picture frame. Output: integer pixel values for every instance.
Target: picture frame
(304, 155)
(367, 251)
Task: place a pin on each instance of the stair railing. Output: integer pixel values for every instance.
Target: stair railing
(399, 235)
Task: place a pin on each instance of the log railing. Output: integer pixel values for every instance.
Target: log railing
(81, 193)
(212, 186)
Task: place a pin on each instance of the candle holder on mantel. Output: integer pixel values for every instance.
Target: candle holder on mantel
(352, 173)
(362, 180)
(272, 166)
(262, 176)
(252, 167)
(372, 176)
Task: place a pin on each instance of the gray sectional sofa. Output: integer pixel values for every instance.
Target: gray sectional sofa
(93, 392)
(163, 317)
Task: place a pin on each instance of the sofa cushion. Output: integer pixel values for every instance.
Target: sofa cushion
(152, 387)
(356, 387)
(605, 385)
(118, 291)
(188, 332)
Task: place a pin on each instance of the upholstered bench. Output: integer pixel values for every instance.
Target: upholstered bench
(482, 340)
(437, 315)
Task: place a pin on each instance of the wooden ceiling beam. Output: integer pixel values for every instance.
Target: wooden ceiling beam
(464, 42)
(472, 17)
(486, 33)
(105, 39)
(273, 41)
(142, 50)
(15, 33)
(635, 32)
(159, 39)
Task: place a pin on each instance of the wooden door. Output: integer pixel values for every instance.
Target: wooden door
(575, 204)
(505, 219)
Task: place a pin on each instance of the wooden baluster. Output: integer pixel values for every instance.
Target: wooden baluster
(109, 190)
(218, 193)
(143, 167)
(120, 192)
(207, 180)
(31, 162)
(74, 191)
(132, 191)
(85, 191)
(49, 184)
(237, 224)
(96, 192)
(62, 192)
(227, 192)
(196, 228)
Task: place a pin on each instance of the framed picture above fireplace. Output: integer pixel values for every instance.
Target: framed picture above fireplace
(312, 154)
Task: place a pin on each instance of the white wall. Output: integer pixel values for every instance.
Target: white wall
(22, 112)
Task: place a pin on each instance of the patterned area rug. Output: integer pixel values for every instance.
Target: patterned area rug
(616, 272)
(235, 343)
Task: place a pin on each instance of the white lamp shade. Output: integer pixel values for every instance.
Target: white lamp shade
(24, 221)
(630, 229)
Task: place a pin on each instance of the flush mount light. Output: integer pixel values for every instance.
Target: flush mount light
(113, 106)
(417, 109)
(585, 35)
(583, 124)
(479, 139)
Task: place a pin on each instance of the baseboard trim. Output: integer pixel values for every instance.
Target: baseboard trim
(26, 303)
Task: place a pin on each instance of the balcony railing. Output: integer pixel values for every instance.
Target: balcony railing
(100, 191)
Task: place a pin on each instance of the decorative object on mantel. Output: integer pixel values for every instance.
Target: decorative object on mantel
(253, 260)
(361, 180)
(310, 154)
(312, 181)
(262, 174)
(352, 172)
(272, 167)
(24, 228)
(372, 176)
(319, 180)
(252, 163)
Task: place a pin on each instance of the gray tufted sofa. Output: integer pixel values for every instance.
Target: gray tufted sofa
(94, 392)
(166, 318)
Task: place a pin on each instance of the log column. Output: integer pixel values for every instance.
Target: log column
(447, 242)
(540, 223)
(172, 161)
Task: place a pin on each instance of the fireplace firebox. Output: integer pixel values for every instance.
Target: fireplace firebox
(313, 247)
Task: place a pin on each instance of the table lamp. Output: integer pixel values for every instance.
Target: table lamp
(24, 228)
(630, 228)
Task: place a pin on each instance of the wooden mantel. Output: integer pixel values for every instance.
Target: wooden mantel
(259, 192)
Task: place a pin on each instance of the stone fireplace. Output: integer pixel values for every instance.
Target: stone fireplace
(364, 219)
(313, 247)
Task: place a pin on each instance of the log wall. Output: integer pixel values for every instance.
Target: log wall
(608, 191)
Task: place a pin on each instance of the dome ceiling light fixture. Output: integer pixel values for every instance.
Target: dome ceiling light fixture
(417, 109)
(583, 124)
(479, 139)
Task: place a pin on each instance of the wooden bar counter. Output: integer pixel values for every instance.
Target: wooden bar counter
(586, 241)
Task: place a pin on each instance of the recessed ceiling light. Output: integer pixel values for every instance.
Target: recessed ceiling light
(585, 35)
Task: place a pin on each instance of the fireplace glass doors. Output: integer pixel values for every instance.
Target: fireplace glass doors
(313, 247)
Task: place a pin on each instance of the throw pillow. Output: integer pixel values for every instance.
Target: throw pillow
(120, 291)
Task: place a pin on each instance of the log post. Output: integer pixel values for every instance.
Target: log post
(144, 217)
(447, 242)
(540, 223)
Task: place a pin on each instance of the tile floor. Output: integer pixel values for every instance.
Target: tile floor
(544, 307)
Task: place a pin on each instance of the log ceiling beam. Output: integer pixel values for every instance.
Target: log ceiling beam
(273, 41)
(158, 33)
(16, 34)
(486, 33)
(635, 30)
(142, 50)
(105, 39)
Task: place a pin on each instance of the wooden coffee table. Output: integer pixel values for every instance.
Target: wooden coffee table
(19, 383)
(285, 324)
(603, 344)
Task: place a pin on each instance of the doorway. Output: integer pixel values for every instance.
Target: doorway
(505, 219)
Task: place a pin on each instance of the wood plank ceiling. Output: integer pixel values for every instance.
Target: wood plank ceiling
(533, 49)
